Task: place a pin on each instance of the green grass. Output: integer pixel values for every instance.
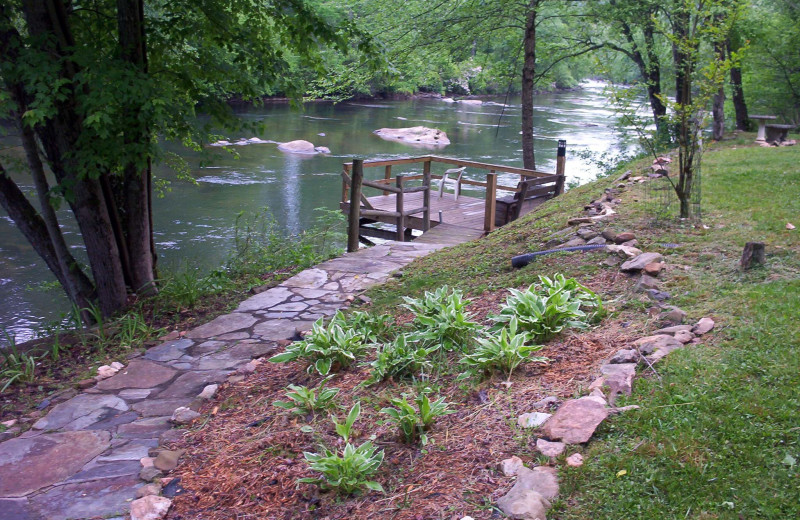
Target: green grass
(718, 434)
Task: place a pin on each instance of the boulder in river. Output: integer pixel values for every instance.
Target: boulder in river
(470, 101)
(416, 135)
(298, 146)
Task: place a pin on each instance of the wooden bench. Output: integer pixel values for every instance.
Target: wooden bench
(530, 193)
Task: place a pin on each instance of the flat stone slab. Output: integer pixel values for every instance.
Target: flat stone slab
(223, 325)
(169, 351)
(158, 407)
(27, 465)
(639, 262)
(192, 383)
(576, 421)
(619, 377)
(80, 412)
(148, 428)
(649, 344)
(277, 329)
(139, 373)
(127, 451)
(265, 300)
(97, 498)
(16, 509)
(313, 278)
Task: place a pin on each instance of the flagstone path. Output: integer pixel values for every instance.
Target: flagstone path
(82, 459)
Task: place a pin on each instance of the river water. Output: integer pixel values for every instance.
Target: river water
(194, 222)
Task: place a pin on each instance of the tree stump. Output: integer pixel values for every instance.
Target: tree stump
(754, 254)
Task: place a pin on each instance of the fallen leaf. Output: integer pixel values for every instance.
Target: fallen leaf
(789, 226)
(789, 461)
(622, 473)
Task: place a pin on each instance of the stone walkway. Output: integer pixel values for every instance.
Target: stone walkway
(84, 458)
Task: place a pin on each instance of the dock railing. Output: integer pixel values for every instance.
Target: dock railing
(353, 178)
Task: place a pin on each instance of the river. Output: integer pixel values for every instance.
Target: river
(194, 222)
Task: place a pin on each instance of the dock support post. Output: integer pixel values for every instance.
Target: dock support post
(491, 201)
(426, 196)
(387, 174)
(401, 219)
(355, 205)
(561, 159)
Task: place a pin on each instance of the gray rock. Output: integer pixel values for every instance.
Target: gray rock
(30, 461)
(147, 490)
(160, 407)
(576, 421)
(171, 437)
(530, 496)
(102, 498)
(675, 315)
(624, 356)
(134, 394)
(298, 146)
(577, 241)
(139, 373)
(148, 428)
(624, 252)
(208, 392)
(650, 344)
(169, 351)
(657, 295)
(80, 412)
(619, 378)
(670, 331)
(419, 135)
(533, 419)
(17, 509)
(126, 451)
(645, 283)
(184, 415)
(684, 336)
(596, 241)
(703, 326)
(639, 262)
(587, 233)
(167, 460)
(309, 279)
(150, 473)
(511, 467)
(223, 325)
(150, 507)
(192, 383)
(103, 470)
(550, 449)
(575, 460)
(546, 403)
(265, 300)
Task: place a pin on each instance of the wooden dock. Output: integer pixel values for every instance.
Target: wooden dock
(419, 202)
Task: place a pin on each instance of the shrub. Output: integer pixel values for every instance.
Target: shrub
(504, 351)
(404, 357)
(332, 347)
(307, 401)
(440, 318)
(348, 471)
(555, 307)
(414, 423)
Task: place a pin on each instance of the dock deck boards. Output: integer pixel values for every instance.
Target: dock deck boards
(466, 212)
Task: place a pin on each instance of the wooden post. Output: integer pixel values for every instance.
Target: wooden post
(754, 253)
(344, 183)
(401, 219)
(426, 196)
(491, 201)
(353, 222)
(387, 174)
(561, 159)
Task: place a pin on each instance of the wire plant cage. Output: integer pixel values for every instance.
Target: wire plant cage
(661, 201)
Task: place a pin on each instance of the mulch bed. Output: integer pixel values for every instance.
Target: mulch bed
(243, 462)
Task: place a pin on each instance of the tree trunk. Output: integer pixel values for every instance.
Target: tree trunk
(718, 111)
(47, 23)
(528, 73)
(136, 176)
(737, 96)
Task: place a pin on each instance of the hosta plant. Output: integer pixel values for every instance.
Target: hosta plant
(327, 347)
(347, 471)
(503, 351)
(404, 357)
(441, 319)
(308, 401)
(375, 328)
(414, 423)
(558, 305)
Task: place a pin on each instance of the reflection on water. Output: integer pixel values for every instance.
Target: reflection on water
(193, 222)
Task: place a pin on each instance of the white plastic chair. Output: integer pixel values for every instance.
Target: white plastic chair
(453, 171)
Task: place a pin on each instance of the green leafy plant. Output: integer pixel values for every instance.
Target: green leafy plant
(404, 357)
(414, 423)
(504, 351)
(134, 330)
(16, 366)
(440, 318)
(307, 401)
(349, 471)
(375, 328)
(555, 307)
(332, 347)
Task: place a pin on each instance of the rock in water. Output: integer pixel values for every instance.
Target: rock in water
(298, 146)
(416, 135)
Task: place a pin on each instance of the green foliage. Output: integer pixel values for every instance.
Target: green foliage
(556, 306)
(375, 328)
(307, 401)
(134, 331)
(17, 367)
(414, 423)
(349, 471)
(440, 318)
(404, 357)
(327, 347)
(504, 351)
